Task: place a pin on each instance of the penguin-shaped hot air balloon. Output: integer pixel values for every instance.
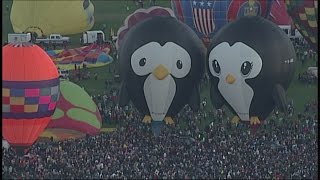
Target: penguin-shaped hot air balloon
(161, 64)
(251, 64)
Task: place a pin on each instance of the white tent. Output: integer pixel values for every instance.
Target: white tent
(313, 71)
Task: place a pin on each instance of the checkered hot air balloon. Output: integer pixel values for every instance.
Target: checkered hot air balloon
(206, 17)
(30, 91)
(304, 14)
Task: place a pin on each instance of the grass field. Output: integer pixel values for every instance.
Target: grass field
(109, 12)
(113, 13)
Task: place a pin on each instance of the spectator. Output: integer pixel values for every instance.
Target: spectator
(305, 56)
(133, 152)
(277, 150)
(152, 2)
(140, 3)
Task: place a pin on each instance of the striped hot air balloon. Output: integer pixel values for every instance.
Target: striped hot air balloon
(30, 91)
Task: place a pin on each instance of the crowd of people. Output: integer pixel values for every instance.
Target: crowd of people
(307, 78)
(109, 109)
(280, 148)
(305, 52)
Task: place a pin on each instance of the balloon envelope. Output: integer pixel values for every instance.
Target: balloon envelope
(207, 17)
(74, 116)
(54, 16)
(304, 14)
(29, 97)
(161, 63)
(251, 63)
(94, 55)
(138, 16)
(279, 14)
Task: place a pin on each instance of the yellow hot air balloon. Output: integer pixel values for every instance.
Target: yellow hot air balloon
(55, 16)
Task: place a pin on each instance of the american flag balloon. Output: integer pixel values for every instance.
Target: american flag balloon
(203, 16)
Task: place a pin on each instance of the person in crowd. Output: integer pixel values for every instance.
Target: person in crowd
(286, 151)
(140, 2)
(152, 2)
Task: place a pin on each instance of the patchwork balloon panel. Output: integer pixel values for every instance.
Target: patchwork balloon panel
(29, 99)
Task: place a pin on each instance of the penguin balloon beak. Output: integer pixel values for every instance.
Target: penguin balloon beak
(230, 79)
(160, 72)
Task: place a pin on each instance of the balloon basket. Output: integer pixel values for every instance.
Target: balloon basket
(21, 151)
(156, 127)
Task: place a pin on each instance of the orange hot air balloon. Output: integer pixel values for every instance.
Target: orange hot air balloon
(30, 91)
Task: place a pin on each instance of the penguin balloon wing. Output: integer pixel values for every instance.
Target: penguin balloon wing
(216, 98)
(194, 101)
(123, 95)
(279, 97)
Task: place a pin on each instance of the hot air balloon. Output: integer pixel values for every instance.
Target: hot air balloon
(46, 17)
(206, 17)
(74, 117)
(248, 71)
(161, 64)
(94, 55)
(304, 14)
(30, 91)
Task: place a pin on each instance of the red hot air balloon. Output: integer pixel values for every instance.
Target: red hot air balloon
(279, 14)
(30, 91)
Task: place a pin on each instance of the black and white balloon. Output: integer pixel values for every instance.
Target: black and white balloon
(161, 64)
(251, 64)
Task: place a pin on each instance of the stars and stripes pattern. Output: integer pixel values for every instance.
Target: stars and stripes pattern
(203, 18)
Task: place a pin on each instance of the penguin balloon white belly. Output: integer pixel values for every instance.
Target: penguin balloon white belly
(239, 96)
(159, 95)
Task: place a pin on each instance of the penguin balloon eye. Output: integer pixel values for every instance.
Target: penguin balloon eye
(142, 61)
(179, 64)
(246, 68)
(216, 66)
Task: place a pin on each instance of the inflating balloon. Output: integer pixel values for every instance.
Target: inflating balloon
(46, 17)
(251, 64)
(206, 17)
(161, 64)
(74, 116)
(304, 14)
(29, 97)
(93, 55)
